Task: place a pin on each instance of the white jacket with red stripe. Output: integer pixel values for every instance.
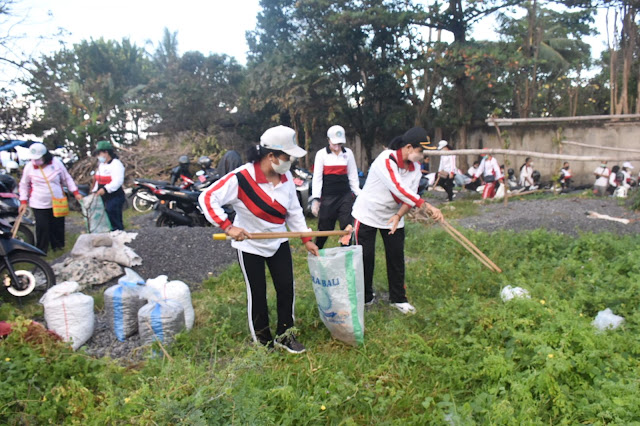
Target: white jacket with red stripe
(390, 183)
(335, 174)
(260, 207)
(110, 175)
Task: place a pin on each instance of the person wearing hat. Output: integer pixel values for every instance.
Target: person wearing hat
(109, 180)
(182, 169)
(335, 184)
(491, 174)
(264, 198)
(43, 178)
(447, 170)
(626, 171)
(389, 193)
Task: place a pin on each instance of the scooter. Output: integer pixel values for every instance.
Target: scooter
(302, 178)
(22, 268)
(9, 205)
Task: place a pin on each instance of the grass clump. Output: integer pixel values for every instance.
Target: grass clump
(465, 357)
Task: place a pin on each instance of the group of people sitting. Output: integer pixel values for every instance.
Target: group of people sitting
(616, 181)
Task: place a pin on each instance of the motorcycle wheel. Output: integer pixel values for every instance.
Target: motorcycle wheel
(165, 221)
(34, 274)
(140, 204)
(25, 235)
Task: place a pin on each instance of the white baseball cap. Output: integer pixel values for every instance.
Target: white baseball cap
(37, 150)
(627, 165)
(442, 144)
(282, 138)
(336, 134)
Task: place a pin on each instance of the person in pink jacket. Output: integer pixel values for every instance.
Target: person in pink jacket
(35, 192)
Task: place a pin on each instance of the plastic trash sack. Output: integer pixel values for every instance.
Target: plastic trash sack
(509, 293)
(338, 283)
(122, 303)
(69, 313)
(607, 320)
(159, 319)
(175, 290)
(95, 216)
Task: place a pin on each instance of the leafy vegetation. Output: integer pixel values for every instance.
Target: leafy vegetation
(465, 357)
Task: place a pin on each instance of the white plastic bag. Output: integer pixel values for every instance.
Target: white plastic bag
(159, 319)
(509, 293)
(338, 283)
(95, 215)
(122, 303)
(175, 290)
(607, 320)
(69, 313)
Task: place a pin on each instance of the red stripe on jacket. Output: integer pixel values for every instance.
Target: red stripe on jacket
(263, 195)
(335, 170)
(103, 180)
(257, 211)
(417, 201)
(224, 224)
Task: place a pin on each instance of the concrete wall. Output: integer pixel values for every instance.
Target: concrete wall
(540, 137)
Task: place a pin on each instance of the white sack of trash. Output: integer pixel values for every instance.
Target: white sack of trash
(338, 283)
(122, 303)
(175, 290)
(69, 313)
(160, 319)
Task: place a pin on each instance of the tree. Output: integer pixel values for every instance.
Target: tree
(88, 93)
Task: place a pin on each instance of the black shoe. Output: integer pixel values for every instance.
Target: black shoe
(266, 343)
(290, 344)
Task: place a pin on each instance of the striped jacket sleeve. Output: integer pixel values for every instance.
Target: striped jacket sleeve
(211, 201)
(390, 178)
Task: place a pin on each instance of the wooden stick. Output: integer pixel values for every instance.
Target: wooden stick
(604, 148)
(534, 154)
(455, 237)
(274, 235)
(470, 245)
(16, 225)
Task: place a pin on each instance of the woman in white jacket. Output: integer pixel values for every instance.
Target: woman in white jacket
(389, 193)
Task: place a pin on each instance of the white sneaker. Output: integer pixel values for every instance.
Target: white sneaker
(405, 308)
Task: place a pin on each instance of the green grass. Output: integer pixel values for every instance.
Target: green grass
(465, 357)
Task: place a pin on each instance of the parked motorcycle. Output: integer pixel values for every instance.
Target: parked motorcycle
(179, 208)
(303, 178)
(22, 269)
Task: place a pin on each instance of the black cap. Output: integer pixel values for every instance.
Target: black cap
(416, 137)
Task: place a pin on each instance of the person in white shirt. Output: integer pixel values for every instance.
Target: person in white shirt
(335, 184)
(565, 176)
(491, 174)
(626, 170)
(614, 182)
(264, 198)
(447, 170)
(108, 185)
(526, 175)
(389, 193)
(602, 174)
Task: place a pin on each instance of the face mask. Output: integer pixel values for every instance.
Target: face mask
(530, 164)
(281, 168)
(415, 156)
(39, 162)
(101, 159)
(486, 157)
(604, 166)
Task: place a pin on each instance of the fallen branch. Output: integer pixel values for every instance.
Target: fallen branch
(595, 215)
(274, 235)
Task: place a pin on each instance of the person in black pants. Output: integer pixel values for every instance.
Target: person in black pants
(335, 184)
(264, 198)
(109, 180)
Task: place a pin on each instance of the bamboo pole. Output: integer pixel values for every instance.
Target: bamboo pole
(492, 151)
(274, 235)
(604, 148)
(16, 225)
(471, 247)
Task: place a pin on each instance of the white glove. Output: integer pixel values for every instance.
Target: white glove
(315, 207)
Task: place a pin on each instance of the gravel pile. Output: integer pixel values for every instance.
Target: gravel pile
(563, 214)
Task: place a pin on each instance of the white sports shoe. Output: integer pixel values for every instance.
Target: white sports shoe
(405, 308)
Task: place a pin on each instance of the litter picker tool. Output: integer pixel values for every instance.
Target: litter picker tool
(274, 235)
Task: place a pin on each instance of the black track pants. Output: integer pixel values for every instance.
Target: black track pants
(334, 208)
(448, 185)
(49, 230)
(394, 253)
(281, 269)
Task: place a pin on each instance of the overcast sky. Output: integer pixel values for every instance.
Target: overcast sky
(206, 26)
